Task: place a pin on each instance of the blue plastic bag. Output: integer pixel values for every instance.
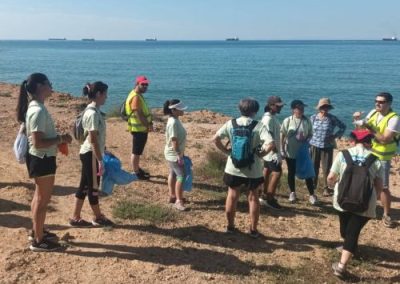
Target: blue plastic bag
(188, 181)
(304, 164)
(113, 174)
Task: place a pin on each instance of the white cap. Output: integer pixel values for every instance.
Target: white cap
(178, 106)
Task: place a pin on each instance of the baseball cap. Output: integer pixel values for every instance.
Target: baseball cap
(142, 80)
(297, 103)
(275, 100)
(361, 134)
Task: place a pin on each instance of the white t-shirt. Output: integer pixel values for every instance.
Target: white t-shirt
(93, 120)
(274, 128)
(393, 123)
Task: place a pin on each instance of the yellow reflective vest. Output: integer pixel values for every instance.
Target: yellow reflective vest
(134, 123)
(384, 152)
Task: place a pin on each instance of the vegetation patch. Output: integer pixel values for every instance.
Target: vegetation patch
(213, 168)
(5, 94)
(153, 213)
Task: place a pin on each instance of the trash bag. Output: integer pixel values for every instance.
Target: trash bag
(188, 181)
(21, 145)
(114, 174)
(304, 164)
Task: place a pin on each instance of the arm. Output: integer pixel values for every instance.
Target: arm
(137, 111)
(217, 141)
(341, 126)
(94, 141)
(378, 184)
(332, 178)
(175, 146)
(266, 148)
(386, 137)
(40, 142)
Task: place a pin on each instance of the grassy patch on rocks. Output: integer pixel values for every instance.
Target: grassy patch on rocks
(153, 213)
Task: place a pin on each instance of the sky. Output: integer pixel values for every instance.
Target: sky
(200, 19)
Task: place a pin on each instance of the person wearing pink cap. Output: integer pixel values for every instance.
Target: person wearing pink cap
(140, 123)
(352, 222)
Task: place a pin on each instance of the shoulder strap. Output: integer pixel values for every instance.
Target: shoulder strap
(253, 125)
(370, 160)
(234, 123)
(347, 157)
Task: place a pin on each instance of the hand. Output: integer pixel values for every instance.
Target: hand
(283, 154)
(66, 138)
(277, 160)
(101, 168)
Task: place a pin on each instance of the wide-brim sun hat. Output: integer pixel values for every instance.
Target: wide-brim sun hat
(324, 102)
(178, 106)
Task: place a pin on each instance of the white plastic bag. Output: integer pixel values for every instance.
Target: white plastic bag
(21, 145)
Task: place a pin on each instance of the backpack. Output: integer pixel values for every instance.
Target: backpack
(122, 112)
(77, 129)
(355, 187)
(242, 154)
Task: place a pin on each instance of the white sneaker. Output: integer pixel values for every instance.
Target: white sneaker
(179, 206)
(263, 202)
(292, 197)
(313, 199)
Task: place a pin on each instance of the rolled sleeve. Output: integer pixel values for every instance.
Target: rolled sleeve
(38, 122)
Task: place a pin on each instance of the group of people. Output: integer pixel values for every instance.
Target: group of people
(374, 144)
(254, 166)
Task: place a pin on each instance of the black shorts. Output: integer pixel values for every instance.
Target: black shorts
(236, 181)
(39, 167)
(273, 166)
(139, 140)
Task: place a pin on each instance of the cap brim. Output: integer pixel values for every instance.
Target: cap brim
(279, 104)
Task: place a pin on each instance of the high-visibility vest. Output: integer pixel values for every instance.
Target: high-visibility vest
(384, 152)
(134, 123)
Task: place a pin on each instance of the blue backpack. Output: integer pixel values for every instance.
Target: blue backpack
(242, 154)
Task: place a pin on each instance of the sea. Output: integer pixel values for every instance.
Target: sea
(215, 75)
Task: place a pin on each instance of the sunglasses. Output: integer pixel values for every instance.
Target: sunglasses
(380, 102)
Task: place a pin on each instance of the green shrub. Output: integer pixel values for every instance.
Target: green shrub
(214, 166)
(149, 212)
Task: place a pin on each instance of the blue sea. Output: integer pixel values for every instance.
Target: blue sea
(214, 75)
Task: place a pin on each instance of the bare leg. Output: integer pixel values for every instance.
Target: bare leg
(230, 205)
(135, 159)
(171, 185)
(254, 209)
(78, 208)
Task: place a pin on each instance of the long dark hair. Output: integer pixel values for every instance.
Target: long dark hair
(91, 89)
(166, 109)
(28, 86)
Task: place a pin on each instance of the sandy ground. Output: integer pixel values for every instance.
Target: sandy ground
(298, 243)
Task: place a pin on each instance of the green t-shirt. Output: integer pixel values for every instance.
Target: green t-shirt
(174, 129)
(38, 119)
(296, 131)
(93, 120)
(376, 170)
(260, 137)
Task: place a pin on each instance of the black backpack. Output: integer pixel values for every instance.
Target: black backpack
(242, 154)
(355, 186)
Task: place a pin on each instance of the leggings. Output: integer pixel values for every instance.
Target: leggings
(89, 184)
(291, 164)
(350, 228)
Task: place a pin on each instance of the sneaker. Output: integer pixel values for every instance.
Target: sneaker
(327, 192)
(273, 203)
(102, 222)
(46, 235)
(231, 230)
(313, 200)
(80, 223)
(254, 234)
(179, 206)
(142, 175)
(292, 197)
(387, 221)
(44, 246)
(338, 271)
(263, 201)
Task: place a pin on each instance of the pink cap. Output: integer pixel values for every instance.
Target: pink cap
(142, 80)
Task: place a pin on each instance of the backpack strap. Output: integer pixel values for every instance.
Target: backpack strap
(234, 123)
(370, 160)
(347, 157)
(251, 126)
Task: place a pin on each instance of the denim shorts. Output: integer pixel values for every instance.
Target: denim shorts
(386, 173)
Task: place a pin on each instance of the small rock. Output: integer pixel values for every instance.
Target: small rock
(40, 270)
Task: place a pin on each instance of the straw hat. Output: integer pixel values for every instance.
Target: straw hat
(324, 102)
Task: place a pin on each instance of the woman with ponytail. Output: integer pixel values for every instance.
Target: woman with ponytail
(91, 156)
(41, 157)
(175, 136)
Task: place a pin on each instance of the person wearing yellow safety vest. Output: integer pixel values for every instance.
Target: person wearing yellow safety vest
(385, 124)
(139, 123)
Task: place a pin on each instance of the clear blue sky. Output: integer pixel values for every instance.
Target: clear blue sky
(200, 19)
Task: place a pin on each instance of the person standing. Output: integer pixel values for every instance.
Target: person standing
(385, 125)
(175, 138)
(351, 223)
(91, 156)
(41, 157)
(248, 176)
(323, 140)
(273, 161)
(295, 131)
(140, 123)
